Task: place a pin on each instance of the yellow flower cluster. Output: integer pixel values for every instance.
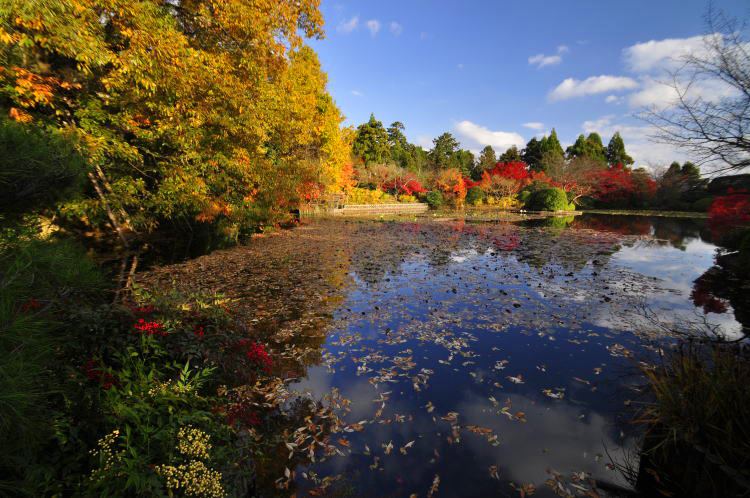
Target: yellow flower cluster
(193, 442)
(195, 479)
(107, 456)
(159, 388)
(181, 389)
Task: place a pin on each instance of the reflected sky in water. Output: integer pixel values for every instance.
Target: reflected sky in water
(464, 346)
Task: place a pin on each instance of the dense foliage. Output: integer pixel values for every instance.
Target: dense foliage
(185, 113)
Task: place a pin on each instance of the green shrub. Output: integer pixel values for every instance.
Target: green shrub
(474, 196)
(434, 198)
(37, 169)
(536, 186)
(523, 196)
(39, 283)
(157, 416)
(702, 205)
(548, 199)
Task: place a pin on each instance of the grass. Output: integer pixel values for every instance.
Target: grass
(698, 441)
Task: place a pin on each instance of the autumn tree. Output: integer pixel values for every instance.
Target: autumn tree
(451, 183)
(185, 111)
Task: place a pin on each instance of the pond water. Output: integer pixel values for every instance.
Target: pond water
(477, 358)
(494, 356)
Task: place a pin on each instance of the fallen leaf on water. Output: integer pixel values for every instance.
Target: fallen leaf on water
(555, 395)
(435, 486)
(494, 472)
(388, 447)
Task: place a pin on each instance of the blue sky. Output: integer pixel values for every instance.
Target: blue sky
(499, 72)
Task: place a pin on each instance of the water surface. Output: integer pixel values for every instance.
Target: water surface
(482, 357)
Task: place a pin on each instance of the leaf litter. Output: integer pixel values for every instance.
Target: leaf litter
(405, 306)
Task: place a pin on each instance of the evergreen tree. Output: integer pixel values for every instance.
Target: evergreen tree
(551, 152)
(616, 151)
(578, 149)
(674, 169)
(552, 144)
(690, 171)
(588, 147)
(532, 154)
(443, 149)
(511, 155)
(396, 135)
(371, 142)
(596, 148)
(463, 160)
(486, 161)
(399, 146)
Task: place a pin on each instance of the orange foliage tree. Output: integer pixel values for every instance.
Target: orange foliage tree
(451, 183)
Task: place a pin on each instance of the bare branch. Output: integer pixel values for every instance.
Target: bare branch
(713, 128)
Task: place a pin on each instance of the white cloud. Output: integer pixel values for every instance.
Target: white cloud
(479, 135)
(613, 99)
(549, 60)
(660, 95)
(460, 66)
(545, 60)
(571, 88)
(650, 55)
(396, 28)
(424, 141)
(534, 125)
(374, 26)
(424, 35)
(357, 93)
(348, 26)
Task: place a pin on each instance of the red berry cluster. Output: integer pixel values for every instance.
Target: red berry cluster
(151, 328)
(256, 353)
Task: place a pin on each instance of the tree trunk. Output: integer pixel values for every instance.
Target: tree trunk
(112, 218)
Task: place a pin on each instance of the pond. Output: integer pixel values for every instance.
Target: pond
(474, 358)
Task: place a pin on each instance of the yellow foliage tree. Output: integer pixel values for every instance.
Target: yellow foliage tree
(192, 110)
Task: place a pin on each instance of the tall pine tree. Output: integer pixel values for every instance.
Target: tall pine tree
(486, 161)
(532, 154)
(616, 151)
(371, 142)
